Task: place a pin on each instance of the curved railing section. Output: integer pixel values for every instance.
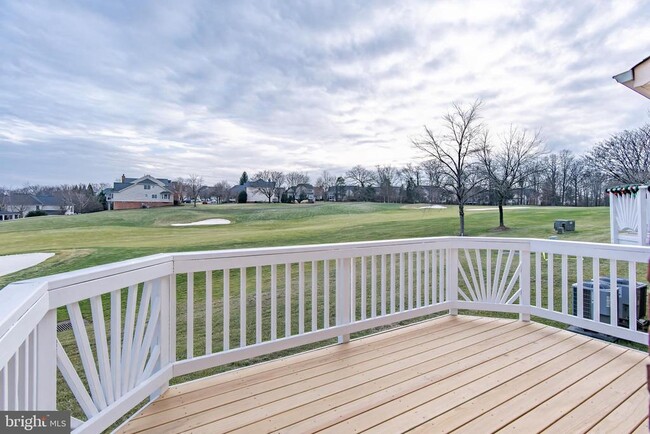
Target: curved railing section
(119, 333)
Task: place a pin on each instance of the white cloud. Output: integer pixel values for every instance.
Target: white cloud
(218, 88)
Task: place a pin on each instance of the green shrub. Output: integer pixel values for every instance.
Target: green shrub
(38, 213)
(242, 197)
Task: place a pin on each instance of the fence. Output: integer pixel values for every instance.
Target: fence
(137, 324)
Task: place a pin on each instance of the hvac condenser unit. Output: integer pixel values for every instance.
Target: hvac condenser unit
(622, 292)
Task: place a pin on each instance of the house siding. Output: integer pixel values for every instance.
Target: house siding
(137, 193)
(136, 196)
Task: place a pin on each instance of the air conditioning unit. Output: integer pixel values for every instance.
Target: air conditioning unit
(623, 307)
(564, 225)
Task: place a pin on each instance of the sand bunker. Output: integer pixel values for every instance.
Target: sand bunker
(208, 222)
(433, 207)
(12, 263)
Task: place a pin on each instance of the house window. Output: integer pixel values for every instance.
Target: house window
(154, 196)
(147, 187)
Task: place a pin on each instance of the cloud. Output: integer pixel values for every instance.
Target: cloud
(89, 91)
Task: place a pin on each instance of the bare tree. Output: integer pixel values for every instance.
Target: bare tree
(362, 178)
(324, 182)
(221, 190)
(594, 185)
(504, 166)
(412, 172)
(178, 188)
(433, 174)
(15, 202)
(272, 181)
(4, 198)
(625, 157)
(295, 178)
(194, 184)
(279, 179)
(551, 179)
(456, 150)
(566, 162)
(576, 176)
(77, 197)
(387, 177)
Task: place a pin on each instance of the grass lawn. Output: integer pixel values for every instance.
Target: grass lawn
(85, 240)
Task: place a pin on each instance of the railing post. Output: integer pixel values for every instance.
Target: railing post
(642, 203)
(524, 285)
(164, 329)
(46, 362)
(172, 317)
(452, 279)
(613, 225)
(343, 295)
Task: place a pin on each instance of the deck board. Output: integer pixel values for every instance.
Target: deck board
(452, 373)
(628, 415)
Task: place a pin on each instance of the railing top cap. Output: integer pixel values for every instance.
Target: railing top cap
(89, 274)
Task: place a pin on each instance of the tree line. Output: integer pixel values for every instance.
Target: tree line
(85, 198)
(516, 167)
(461, 163)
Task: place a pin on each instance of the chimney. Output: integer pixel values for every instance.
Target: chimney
(123, 178)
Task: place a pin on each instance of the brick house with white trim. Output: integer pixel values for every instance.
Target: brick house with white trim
(144, 192)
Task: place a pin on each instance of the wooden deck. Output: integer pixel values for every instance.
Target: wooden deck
(453, 373)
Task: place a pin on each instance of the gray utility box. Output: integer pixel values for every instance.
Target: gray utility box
(623, 308)
(564, 225)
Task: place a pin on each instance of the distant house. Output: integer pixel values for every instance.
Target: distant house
(23, 203)
(301, 192)
(255, 191)
(9, 215)
(144, 192)
(342, 193)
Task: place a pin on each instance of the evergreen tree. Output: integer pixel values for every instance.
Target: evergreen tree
(410, 190)
(101, 197)
(243, 179)
(338, 189)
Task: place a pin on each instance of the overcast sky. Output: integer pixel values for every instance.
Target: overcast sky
(91, 90)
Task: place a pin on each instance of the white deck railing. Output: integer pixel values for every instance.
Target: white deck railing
(139, 323)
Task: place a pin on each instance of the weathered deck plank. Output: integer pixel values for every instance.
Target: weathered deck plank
(466, 373)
